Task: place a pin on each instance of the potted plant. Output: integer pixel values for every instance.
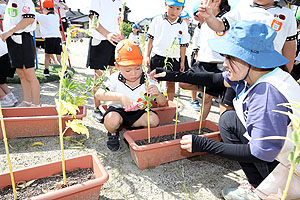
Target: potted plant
(87, 190)
(151, 155)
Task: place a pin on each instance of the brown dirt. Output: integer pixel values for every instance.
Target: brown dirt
(171, 136)
(48, 184)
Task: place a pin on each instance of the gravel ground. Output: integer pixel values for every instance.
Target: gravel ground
(201, 177)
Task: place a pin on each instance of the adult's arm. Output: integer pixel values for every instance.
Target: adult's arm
(21, 25)
(209, 79)
(238, 152)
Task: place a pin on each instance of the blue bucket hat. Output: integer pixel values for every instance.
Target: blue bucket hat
(135, 26)
(195, 7)
(178, 3)
(184, 15)
(251, 42)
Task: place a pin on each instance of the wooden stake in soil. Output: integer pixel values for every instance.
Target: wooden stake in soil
(7, 154)
(202, 109)
(176, 118)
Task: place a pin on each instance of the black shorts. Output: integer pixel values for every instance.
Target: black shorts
(64, 24)
(21, 54)
(5, 68)
(101, 55)
(209, 67)
(53, 46)
(40, 43)
(158, 61)
(228, 97)
(129, 118)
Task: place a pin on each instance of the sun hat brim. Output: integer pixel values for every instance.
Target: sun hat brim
(263, 60)
(173, 3)
(131, 62)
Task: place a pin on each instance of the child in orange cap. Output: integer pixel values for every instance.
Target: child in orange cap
(124, 89)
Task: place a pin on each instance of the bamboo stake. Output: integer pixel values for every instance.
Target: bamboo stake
(7, 154)
(202, 110)
(176, 118)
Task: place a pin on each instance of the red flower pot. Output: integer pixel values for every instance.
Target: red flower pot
(87, 190)
(165, 113)
(35, 121)
(152, 155)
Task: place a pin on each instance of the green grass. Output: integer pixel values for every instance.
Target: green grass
(54, 70)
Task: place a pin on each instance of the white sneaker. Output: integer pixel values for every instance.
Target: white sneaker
(6, 102)
(24, 104)
(13, 98)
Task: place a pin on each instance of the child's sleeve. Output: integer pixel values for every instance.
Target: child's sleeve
(151, 30)
(109, 82)
(95, 7)
(28, 9)
(185, 40)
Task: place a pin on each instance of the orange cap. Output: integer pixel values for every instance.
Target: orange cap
(48, 4)
(128, 53)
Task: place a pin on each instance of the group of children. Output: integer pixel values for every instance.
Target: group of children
(18, 49)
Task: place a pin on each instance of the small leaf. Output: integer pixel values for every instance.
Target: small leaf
(37, 144)
(298, 161)
(77, 127)
(291, 156)
(295, 136)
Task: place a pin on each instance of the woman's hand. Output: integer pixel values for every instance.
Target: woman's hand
(153, 75)
(186, 143)
(114, 38)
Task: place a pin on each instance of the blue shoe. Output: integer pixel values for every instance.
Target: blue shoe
(195, 105)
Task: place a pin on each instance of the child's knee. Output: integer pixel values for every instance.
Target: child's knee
(113, 120)
(154, 120)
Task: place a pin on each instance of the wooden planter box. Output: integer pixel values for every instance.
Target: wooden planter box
(87, 190)
(165, 113)
(152, 155)
(35, 121)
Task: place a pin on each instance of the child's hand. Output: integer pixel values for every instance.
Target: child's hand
(126, 102)
(148, 62)
(153, 90)
(186, 143)
(182, 67)
(114, 38)
(5, 35)
(206, 7)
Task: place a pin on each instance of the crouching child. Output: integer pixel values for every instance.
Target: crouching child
(124, 90)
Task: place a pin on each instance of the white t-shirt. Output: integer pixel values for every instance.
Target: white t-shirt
(109, 16)
(281, 19)
(49, 25)
(163, 33)
(3, 47)
(16, 10)
(196, 38)
(135, 38)
(117, 83)
(205, 53)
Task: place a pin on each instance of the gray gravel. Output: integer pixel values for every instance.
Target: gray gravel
(201, 177)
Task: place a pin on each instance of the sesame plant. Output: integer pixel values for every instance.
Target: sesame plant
(294, 155)
(67, 107)
(7, 155)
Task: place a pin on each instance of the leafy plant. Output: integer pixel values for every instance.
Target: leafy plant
(66, 106)
(294, 155)
(126, 27)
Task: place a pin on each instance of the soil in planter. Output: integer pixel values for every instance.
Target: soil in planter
(171, 136)
(48, 184)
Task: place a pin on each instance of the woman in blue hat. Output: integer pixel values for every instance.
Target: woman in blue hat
(252, 71)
